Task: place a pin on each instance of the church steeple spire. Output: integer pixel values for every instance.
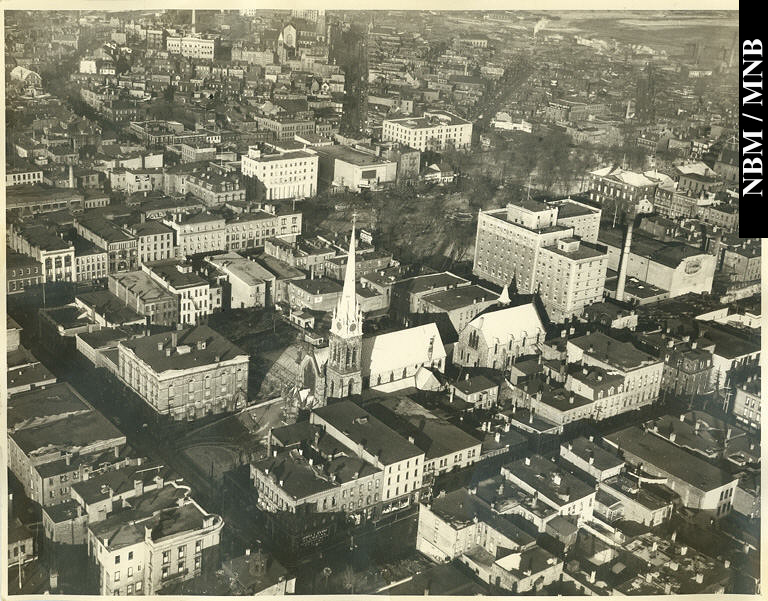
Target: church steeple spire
(347, 317)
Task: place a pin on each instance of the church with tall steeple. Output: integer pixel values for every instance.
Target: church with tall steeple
(350, 363)
(343, 372)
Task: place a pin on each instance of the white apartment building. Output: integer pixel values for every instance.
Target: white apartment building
(283, 174)
(435, 130)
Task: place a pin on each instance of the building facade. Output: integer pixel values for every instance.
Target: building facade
(185, 374)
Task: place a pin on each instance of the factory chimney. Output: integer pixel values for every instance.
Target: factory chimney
(624, 260)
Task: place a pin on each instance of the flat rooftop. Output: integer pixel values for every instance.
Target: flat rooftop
(243, 269)
(424, 283)
(186, 354)
(34, 373)
(350, 155)
(104, 228)
(667, 457)
(430, 122)
(169, 271)
(299, 479)
(318, 286)
(143, 286)
(585, 449)
(458, 298)
(68, 434)
(567, 208)
(549, 479)
(158, 511)
(460, 508)
(619, 354)
(103, 302)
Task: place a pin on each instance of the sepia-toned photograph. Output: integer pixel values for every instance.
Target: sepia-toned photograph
(381, 302)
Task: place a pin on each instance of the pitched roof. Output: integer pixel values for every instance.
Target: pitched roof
(512, 323)
(366, 430)
(411, 346)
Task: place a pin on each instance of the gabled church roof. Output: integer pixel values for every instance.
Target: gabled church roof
(392, 351)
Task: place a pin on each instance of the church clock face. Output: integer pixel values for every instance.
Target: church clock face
(352, 327)
(339, 325)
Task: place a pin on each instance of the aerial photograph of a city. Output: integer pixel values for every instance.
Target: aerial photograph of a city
(379, 302)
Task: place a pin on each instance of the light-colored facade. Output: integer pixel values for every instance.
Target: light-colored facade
(676, 268)
(138, 291)
(495, 339)
(197, 296)
(435, 130)
(401, 462)
(283, 175)
(250, 284)
(136, 554)
(122, 248)
(213, 188)
(700, 484)
(191, 47)
(527, 243)
(746, 402)
(56, 413)
(56, 256)
(185, 374)
(198, 233)
(642, 372)
(155, 241)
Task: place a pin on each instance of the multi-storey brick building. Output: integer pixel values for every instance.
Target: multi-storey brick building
(401, 462)
(54, 437)
(162, 539)
(56, 256)
(122, 248)
(187, 373)
(198, 297)
(21, 272)
(155, 241)
(138, 291)
(687, 370)
(642, 372)
(213, 186)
